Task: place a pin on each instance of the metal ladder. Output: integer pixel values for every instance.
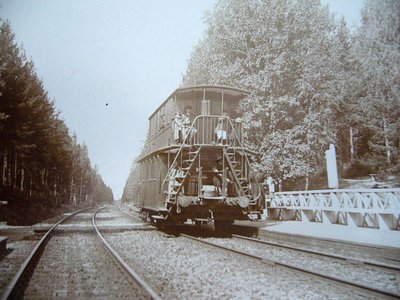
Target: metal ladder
(241, 181)
(186, 165)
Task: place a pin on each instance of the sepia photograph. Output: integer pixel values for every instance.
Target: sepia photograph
(187, 149)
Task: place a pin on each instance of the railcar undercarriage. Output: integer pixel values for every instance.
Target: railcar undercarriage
(209, 183)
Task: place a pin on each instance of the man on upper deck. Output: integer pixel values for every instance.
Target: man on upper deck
(222, 128)
(187, 121)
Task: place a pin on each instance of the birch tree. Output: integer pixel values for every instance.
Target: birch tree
(377, 45)
(281, 52)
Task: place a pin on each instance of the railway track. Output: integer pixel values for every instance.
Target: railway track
(150, 292)
(130, 215)
(58, 263)
(363, 287)
(386, 256)
(321, 253)
(348, 266)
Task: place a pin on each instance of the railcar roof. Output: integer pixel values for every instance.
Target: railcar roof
(214, 88)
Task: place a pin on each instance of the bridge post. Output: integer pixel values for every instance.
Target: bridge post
(331, 167)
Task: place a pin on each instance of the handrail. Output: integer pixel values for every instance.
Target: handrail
(179, 151)
(234, 174)
(183, 145)
(247, 160)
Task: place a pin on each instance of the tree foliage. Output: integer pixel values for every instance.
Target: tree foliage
(39, 159)
(131, 189)
(312, 82)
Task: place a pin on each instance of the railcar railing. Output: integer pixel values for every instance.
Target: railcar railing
(207, 131)
(250, 178)
(203, 131)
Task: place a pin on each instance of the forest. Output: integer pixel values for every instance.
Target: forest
(312, 82)
(43, 167)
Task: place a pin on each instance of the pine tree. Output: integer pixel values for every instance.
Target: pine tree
(39, 159)
(131, 189)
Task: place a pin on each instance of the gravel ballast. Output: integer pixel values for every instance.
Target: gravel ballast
(77, 266)
(111, 216)
(181, 268)
(16, 255)
(368, 275)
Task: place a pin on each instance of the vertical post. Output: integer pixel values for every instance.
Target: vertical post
(222, 103)
(331, 167)
(203, 132)
(387, 145)
(224, 174)
(22, 179)
(351, 144)
(199, 177)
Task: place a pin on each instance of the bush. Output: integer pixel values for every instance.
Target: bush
(358, 169)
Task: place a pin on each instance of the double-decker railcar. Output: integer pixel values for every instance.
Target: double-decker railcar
(195, 165)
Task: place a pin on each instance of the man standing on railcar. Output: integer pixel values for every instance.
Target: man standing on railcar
(187, 123)
(222, 128)
(178, 128)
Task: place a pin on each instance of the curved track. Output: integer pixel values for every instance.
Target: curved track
(12, 290)
(122, 263)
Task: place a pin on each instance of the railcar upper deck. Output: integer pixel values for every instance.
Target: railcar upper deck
(208, 104)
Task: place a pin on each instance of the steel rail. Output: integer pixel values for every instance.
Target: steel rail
(290, 266)
(154, 295)
(336, 256)
(129, 215)
(24, 267)
(336, 279)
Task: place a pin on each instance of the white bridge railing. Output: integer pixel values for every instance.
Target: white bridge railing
(373, 208)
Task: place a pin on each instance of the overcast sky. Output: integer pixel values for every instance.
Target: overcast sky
(129, 54)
